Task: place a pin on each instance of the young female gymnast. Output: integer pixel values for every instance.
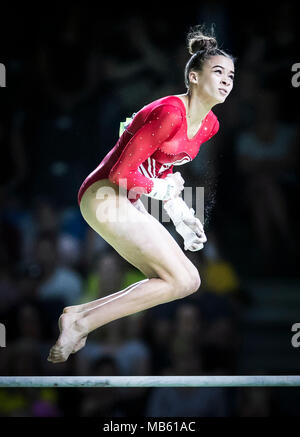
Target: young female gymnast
(164, 133)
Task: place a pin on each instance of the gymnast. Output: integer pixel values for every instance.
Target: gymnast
(164, 133)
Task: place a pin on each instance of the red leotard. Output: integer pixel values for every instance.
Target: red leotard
(152, 144)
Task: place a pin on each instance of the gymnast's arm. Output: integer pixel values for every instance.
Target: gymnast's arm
(160, 125)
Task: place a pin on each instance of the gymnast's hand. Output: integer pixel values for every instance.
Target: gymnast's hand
(196, 226)
(186, 224)
(177, 180)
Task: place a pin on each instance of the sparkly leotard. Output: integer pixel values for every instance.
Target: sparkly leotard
(151, 145)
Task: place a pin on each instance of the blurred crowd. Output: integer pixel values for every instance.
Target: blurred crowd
(72, 76)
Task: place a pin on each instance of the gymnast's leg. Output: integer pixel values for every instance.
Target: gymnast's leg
(89, 305)
(146, 244)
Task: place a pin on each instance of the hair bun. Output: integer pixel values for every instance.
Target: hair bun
(198, 40)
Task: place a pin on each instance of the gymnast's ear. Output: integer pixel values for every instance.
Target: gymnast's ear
(193, 77)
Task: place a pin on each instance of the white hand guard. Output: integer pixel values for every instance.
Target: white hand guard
(163, 189)
(186, 224)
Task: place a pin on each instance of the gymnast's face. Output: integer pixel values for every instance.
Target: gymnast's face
(215, 81)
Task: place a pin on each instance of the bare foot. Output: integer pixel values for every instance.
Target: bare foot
(75, 309)
(69, 340)
(79, 345)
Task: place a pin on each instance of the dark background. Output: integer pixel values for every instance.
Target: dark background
(72, 74)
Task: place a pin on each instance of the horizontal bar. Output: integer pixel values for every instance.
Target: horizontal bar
(151, 381)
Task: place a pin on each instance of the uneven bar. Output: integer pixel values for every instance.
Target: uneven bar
(152, 381)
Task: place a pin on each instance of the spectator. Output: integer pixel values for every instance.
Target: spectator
(57, 282)
(159, 332)
(133, 355)
(186, 401)
(103, 277)
(254, 402)
(265, 158)
(101, 402)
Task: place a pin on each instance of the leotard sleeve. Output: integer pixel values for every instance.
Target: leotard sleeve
(160, 125)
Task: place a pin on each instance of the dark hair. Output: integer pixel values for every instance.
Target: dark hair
(201, 45)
